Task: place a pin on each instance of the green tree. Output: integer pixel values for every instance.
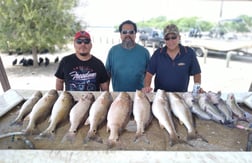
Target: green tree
(35, 25)
(184, 24)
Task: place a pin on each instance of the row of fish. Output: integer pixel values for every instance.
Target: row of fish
(87, 109)
(117, 113)
(210, 106)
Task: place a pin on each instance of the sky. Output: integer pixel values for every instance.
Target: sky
(113, 12)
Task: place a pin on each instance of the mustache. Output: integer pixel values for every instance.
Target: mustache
(127, 37)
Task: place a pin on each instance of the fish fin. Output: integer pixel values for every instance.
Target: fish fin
(70, 137)
(180, 122)
(87, 122)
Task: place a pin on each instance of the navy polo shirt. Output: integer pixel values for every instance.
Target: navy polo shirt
(173, 75)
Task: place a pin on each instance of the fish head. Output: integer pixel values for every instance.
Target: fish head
(53, 92)
(124, 95)
(88, 96)
(160, 93)
(38, 94)
(214, 97)
(107, 94)
(230, 97)
(139, 94)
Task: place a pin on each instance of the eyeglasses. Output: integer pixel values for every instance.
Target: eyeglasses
(85, 41)
(171, 38)
(130, 32)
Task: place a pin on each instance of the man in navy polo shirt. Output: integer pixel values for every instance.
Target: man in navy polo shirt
(173, 65)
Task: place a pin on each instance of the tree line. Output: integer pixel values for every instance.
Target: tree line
(242, 23)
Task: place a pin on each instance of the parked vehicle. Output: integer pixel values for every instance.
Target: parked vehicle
(148, 37)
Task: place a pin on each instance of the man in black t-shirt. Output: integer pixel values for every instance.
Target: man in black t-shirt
(82, 71)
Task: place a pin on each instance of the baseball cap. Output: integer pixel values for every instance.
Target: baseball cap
(82, 34)
(172, 28)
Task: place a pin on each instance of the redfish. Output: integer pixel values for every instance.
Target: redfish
(142, 114)
(183, 113)
(27, 107)
(162, 111)
(78, 115)
(41, 110)
(60, 112)
(97, 115)
(118, 117)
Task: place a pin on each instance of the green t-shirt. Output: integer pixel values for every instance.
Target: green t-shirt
(127, 67)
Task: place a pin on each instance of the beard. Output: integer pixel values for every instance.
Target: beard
(128, 43)
(84, 54)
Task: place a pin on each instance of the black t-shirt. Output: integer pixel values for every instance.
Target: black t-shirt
(81, 75)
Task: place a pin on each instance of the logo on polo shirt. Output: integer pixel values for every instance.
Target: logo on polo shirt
(181, 64)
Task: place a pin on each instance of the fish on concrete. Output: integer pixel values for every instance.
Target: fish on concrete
(41, 110)
(27, 107)
(118, 117)
(183, 113)
(206, 105)
(142, 114)
(221, 105)
(194, 106)
(235, 108)
(60, 112)
(162, 111)
(97, 115)
(78, 115)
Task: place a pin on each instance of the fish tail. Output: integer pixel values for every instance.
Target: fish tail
(46, 134)
(141, 136)
(31, 130)
(191, 136)
(114, 144)
(230, 124)
(70, 136)
(95, 138)
(92, 136)
(174, 139)
(110, 144)
(18, 122)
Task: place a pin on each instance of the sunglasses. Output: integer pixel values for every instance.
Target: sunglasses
(171, 38)
(85, 41)
(130, 32)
